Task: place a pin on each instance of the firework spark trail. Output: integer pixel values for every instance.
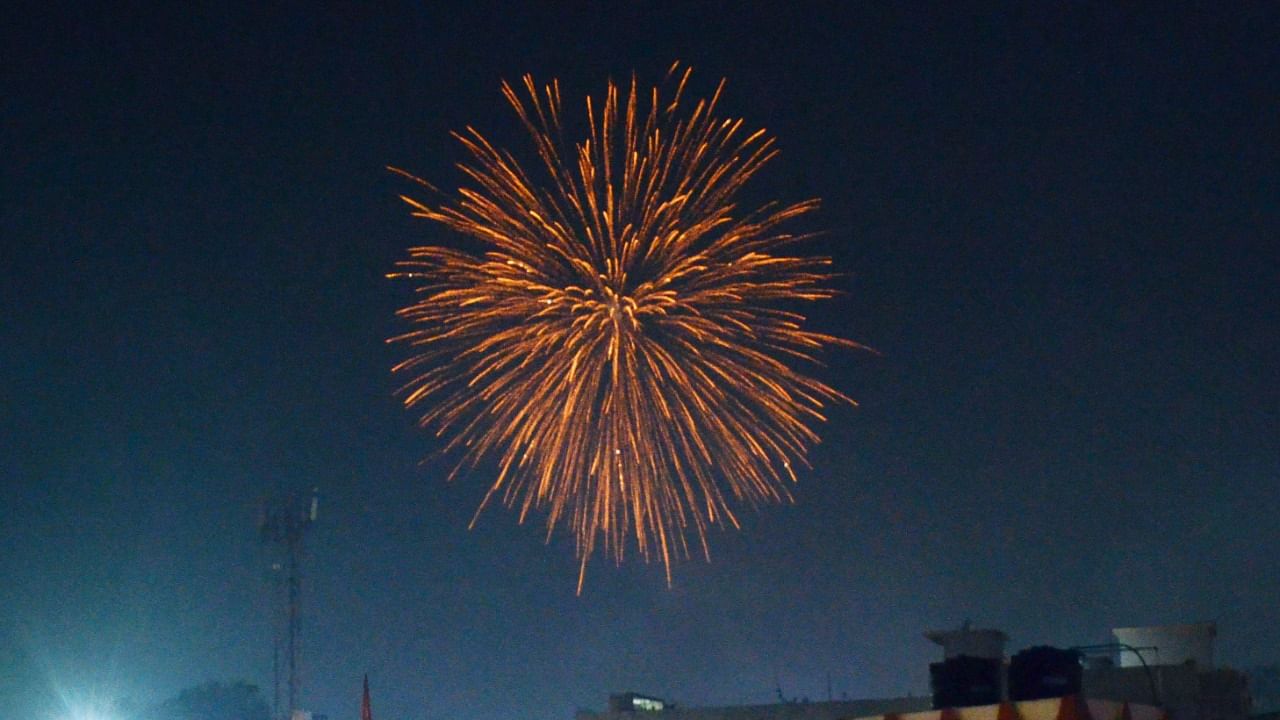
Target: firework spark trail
(616, 346)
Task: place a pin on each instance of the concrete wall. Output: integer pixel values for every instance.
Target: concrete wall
(1187, 692)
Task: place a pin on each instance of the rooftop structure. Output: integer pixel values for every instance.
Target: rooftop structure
(970, 642)
(635, 706)
(1168, 644)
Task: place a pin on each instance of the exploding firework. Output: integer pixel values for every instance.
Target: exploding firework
(614, 342)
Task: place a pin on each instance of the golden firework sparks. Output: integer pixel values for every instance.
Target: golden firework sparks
(615, 344)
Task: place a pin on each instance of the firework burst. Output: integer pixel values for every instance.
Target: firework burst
(614, 344)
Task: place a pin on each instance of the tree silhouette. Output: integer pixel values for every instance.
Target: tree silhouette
(214, 701)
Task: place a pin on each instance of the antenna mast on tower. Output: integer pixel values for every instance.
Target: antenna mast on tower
(283, 523)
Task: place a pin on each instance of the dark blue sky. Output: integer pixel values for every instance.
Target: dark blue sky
(1060, 226)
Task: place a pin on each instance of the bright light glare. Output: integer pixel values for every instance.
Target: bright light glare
(86, 711)
(87, 714)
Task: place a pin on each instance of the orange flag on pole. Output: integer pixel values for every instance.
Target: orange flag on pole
(366, 712)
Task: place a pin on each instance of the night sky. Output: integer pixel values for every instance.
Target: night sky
(1060, 227)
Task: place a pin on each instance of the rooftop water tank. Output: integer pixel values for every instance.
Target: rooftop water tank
(964, 681)
(1044, 672)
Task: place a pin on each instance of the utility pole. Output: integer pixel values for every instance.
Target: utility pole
(283, 524)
